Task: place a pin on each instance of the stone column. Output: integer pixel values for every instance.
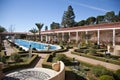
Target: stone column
(41, 38)
(69, 36)
(113, 37)
(76, 36)
(86, 37)
(98, 36)
(63, 36)
(49, 37)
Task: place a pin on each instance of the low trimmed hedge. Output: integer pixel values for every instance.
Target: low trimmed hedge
(106, 77)
(20, 65)
(46, 63)
(97, 58)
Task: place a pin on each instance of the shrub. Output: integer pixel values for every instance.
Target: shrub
(15, 57)
(34, 49)
(92, 51)
(100, 70)
(2, 59)
(117, 74)
(61, 57)
(106, 77)
(20, 49)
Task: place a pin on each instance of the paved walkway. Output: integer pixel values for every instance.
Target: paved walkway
(92, 61)
(8, 48)
(42, 57)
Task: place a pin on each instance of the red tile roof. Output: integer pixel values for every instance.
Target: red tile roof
(86, 27)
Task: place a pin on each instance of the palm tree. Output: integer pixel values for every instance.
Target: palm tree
(39, 26)
(34, 31)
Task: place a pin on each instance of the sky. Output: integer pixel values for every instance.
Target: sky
(22, 15)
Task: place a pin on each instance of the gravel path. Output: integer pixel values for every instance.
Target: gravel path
(92, 61)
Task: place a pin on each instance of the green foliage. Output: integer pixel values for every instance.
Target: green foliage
(2, 58)
(99, 71)
(15, 57)
(109, 16)
(106, 77)
(2, 29)
(68, 18)
(81, 23)
(99, 19)
(39, 25)
(117, 74)
(55, 25)
(61, 57)
(92, 51)
(91, 20)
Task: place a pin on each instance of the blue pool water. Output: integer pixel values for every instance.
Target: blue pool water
(39, 46)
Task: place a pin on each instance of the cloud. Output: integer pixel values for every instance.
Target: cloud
(91, 7)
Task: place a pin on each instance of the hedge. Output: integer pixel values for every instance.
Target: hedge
(47, 64)
(106, 77)
(20, 65)
(97, 58)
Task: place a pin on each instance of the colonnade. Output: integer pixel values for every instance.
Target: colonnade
(54, 37)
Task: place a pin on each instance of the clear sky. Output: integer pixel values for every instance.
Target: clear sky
(23, 14)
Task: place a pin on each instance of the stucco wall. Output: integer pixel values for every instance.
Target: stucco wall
(61, 74)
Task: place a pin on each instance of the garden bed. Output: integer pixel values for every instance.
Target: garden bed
(102, 57)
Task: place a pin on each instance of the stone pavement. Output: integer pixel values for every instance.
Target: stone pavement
(92, 61)
(8, 48)
(42, 57)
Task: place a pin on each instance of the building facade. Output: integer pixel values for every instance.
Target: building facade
(100, 33)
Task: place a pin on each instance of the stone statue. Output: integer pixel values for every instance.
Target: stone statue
(30, 51)
(108, 48)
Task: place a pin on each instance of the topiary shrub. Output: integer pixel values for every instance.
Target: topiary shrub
(117, 74)
(106, 77)
(100, 70)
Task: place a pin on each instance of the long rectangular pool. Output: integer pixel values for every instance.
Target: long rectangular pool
(39, 46)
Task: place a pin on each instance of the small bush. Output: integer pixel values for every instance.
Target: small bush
(34, 49)
(117, 74)
(92, 51)
(106, 77)
(20, 49)
(61, 57)
(15, 57)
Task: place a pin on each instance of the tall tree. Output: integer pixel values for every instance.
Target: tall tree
(46, 28)
(34, 31)
(2, 29)
(63, 23)
(91, 20)
(68, 18)
(39, 26)
(100, 19)
(81, 23)
(54, 25)
(109, 16)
